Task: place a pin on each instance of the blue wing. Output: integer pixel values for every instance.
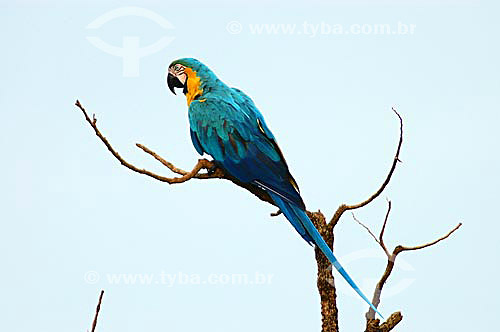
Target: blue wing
(196, 142)
(236, 135)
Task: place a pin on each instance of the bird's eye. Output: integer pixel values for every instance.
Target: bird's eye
(177, 67)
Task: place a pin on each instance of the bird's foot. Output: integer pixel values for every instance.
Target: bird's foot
(211, 170)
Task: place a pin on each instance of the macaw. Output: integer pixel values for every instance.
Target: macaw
(226, 124)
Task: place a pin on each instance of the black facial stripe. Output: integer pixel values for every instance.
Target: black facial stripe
(185, 89)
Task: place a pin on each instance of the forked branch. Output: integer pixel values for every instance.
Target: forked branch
(194, 173)
(214, 172)
(391, 257)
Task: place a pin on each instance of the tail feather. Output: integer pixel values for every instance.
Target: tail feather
(299, 219)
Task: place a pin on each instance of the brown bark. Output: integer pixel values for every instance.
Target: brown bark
(325, 281)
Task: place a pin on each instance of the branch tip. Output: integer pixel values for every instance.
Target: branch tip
(344, 207)
(98, 308)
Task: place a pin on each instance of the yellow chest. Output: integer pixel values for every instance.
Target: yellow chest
(193, 85)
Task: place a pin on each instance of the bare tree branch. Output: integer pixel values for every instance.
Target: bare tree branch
(217, 173)
(382, 231)
(214, 171)
(390, 265)
(380, 239)
(344, 207)
(97, 309)
(399, 249)
(202, 163)
(366, 228)
(166, 163)
(391, 258)
(372, 323)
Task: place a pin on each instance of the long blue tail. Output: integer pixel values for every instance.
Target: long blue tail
(299, 219)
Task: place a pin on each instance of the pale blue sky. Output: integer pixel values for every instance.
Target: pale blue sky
(67, 207)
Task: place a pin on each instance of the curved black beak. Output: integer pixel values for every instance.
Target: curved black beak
(173, 82)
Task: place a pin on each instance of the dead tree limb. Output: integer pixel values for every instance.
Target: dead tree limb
(194, 173)
(214, 171)
(345, 207)
(372, 323)
(325, 278)
(327, 289)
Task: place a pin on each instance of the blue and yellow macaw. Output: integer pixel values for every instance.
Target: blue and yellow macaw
(226, 124)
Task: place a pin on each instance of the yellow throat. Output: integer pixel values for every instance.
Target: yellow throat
(193, 85)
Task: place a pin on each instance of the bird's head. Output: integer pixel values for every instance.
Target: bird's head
(189, 75)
